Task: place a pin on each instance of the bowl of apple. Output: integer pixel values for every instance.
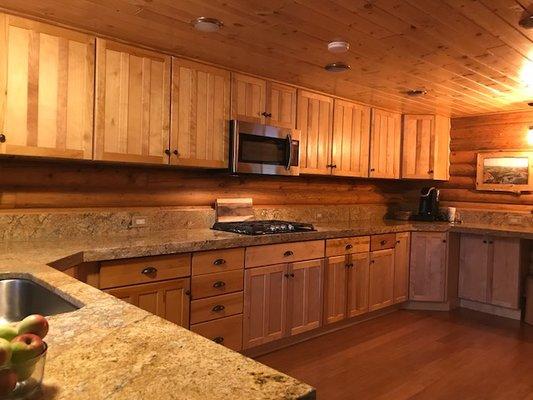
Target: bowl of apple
(22, 357)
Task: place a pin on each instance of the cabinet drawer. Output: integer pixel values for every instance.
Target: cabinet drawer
(215, 284)
(226, 331)
(350, 245)
(132, 271)
(207, 262)
(283, 253)
(216, 307)
(382, 242)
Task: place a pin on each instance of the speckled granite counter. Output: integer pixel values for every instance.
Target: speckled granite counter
(109, 349)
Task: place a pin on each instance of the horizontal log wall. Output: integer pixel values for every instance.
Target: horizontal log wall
(485, 133)
(45, 184)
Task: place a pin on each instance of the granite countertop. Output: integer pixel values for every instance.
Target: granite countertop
(109, 349)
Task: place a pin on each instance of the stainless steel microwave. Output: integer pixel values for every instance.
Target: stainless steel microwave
(264, 149)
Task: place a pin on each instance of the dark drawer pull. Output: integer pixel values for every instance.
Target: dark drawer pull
(218, 308)
(350, 265)
(383, 242)
(218, 339)
(219, 284)
(219, 261)
(2, 138)
(349, 247)
(288, 253)
(149, 271)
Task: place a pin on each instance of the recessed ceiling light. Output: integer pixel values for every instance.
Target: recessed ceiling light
(205, 24)
(416, 92)
(337, 67)
(338, 46)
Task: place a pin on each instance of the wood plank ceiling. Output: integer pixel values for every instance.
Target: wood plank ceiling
(470, 55)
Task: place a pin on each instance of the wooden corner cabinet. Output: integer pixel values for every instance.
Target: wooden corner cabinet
(132, 110)
(385, 144)
(199, 133)
(46, 90)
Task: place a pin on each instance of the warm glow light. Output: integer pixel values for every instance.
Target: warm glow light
(530, 136)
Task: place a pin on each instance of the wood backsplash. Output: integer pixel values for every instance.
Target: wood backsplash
(45, 184)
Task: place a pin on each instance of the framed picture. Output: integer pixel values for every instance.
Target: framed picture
(509, 171)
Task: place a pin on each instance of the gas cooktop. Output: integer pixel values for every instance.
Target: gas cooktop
(263, 227)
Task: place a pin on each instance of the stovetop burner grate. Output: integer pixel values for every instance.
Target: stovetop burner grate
(263, 227)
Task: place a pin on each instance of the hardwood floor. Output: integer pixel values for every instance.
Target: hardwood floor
(416, 355)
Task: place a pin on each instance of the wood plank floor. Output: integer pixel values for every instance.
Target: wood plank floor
(416, 355)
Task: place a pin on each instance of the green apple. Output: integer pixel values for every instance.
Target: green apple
(8, 331)
(36, 324)
(8, 381)
(24, 370)
(5, 352)
(26, 347)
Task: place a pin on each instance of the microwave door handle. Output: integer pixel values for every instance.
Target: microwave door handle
(289, 152)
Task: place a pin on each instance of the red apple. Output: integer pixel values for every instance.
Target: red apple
(36, 324)
(5, 351)
(8, 381)
(25, 347)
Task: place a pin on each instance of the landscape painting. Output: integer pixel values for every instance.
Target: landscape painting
(505, 171)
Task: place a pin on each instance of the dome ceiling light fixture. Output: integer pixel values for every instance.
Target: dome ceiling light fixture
(337, 67)
(338, 46)
(206, 24)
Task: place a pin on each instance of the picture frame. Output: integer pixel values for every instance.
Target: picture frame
(506, 171)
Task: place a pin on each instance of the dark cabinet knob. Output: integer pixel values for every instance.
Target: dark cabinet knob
(167, 152)
(383, 242)
(2, 138)
(349, 247)
(372, 169)
(219, 284)
(266, 114)
(292, 275)
(218, 308)
(372, 261)
(218, 339)
(350, 265)
(176, 153)
(187, 292)
(219, 261)
(491, 242)
(443, 240)
(484, 241)
(430, 171)
(286, 275)
(149, 271)
(288, 253)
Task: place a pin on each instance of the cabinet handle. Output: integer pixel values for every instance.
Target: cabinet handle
(286, 275)
(350, 265)
(2, 138)
(372, 261)
(383, 242)
(372, 169)
(167, 152)
(292, 275)
(218, 339)
(218, 308)
(331, 166)
(176, 152)
(219, 284)
(187, 293)
(219, 261)
(484, 241)
(491, 242)
(349, 247)
(430, 171)
(149, 271)
(443, 240)
(266, 114)
(288, 253)
(397, 242)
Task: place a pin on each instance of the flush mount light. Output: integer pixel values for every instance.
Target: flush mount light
(529, 136)
(205, 24)
(526, 22)
(338, 46)
(416, 92)
(337, 67)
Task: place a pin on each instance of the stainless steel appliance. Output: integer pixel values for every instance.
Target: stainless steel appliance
(428, 207)
(263, 227)
(264, 149)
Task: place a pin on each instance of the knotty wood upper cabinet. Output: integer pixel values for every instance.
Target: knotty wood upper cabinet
(47, 90)
(427, 278)
(351, 139)
(168, 299)
(281, 105)
(381, 279)
(248, 98)
(425, 150)
(385, 144)
(200, 115)
(132, 104)
(315, 121)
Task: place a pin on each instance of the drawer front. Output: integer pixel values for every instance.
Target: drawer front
(215, 284)
(257, 256)
(207, 262)
(382, 242)
(226, 331)
(349, 245)
(144, 269)
(204, 310)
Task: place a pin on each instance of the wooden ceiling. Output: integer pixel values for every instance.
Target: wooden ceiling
(470, 55)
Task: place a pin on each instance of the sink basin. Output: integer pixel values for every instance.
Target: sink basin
(22, 297)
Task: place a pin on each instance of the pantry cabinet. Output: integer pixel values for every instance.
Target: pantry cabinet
(351, 139)
(200, 115)
(385, 144)
(315, 122)
(381, 279)
(425, 148)
(46, 90)
(132, 104)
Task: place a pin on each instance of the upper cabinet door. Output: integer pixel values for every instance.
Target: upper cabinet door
(248, 99)
(47, 90)
(132, 104)
(200, 115)
(441, 165)
(315, 121)
(385, 145)
(281, 105)
(351, 139)
(418, 155)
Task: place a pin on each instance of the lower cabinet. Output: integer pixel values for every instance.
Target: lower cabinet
(381, 279)
(167, 299)
(401, 267)
(281, 300)
(225, 331)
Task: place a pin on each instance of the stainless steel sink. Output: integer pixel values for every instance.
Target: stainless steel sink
(22, 297)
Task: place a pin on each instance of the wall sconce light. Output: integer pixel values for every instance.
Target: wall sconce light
(530, 136)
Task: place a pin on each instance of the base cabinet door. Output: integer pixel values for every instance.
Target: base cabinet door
(168, 299)
(265, 304)
(427, 272)
(305, 296)
(358, 284)
(335, 281)
(506, 271)
(474, 268)
(401, 267)
(381, 279)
